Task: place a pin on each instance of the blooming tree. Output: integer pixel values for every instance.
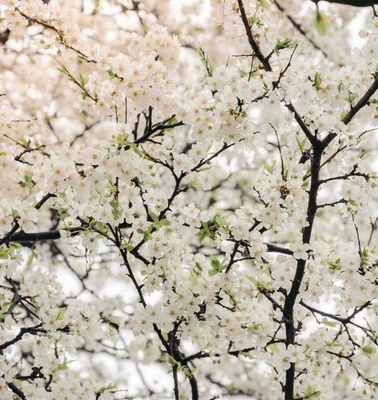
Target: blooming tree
(188, 200)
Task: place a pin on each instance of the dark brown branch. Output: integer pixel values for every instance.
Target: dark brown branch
(254, 45)
(33, 330)
(354, 3)
(363, 101)
(23, 237)
(346, 320)
(273, 248)
(301, 123)
(16, 390)
(288, 311)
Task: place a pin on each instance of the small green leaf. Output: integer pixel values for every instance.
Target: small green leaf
(334, 266)
(31, 258)
(215, 263)
(127, 246)
(153, 216)
(62, 367)
(255, 20)
(115, 208)
(101, 226)
(271, 168)
(121, 140)
(311, 393)
(172, 361)
(317, 81)
(284, 44)
(63, 69)
(263, 3)
(111, 73)
(105, 388)
(28, 180)
(351, 97)
(61, 313)
(247, 355)
(5, 252)
(134, 147)
(217, 266)
(320, 23)
(193, 278)
(368, 350)
(364, 257)
(82, 80)
(172, 121)
(327, 322)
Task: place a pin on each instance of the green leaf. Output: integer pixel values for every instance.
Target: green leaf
(153, 216)
(31, 258)
(334, 266)
(368, 350)
(5, 252)
(111, 73)
(101, 226)
(134, 147)
(320, 23)
(255, 20)
(115, 207)
(317, 81)
(213, 272)
(215, 263)
(252, 279)
(327, 322)
(4, 308)
(284, 44)
(301, 143)
(63, 69)
(217, 266)
(365, 257)
(351, 97)
(272, 167)
(164, 222)
(105, 388)
(172, 361)
(209, 68)
(61, 313)
(62, 367)
(187, 372)
(263, 3)
(247, 355)
(121, 140)
(172, 121)
(311, 393)
(193, 278)
(209, 229)
(127, 246)
(82, 80)
(28, 180)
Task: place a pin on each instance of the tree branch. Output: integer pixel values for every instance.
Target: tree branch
(255, 47)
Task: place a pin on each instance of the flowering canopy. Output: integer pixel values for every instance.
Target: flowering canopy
(189, 200)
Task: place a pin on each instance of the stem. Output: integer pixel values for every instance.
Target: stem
(255, 47)
(288, 312)
(176, 384)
